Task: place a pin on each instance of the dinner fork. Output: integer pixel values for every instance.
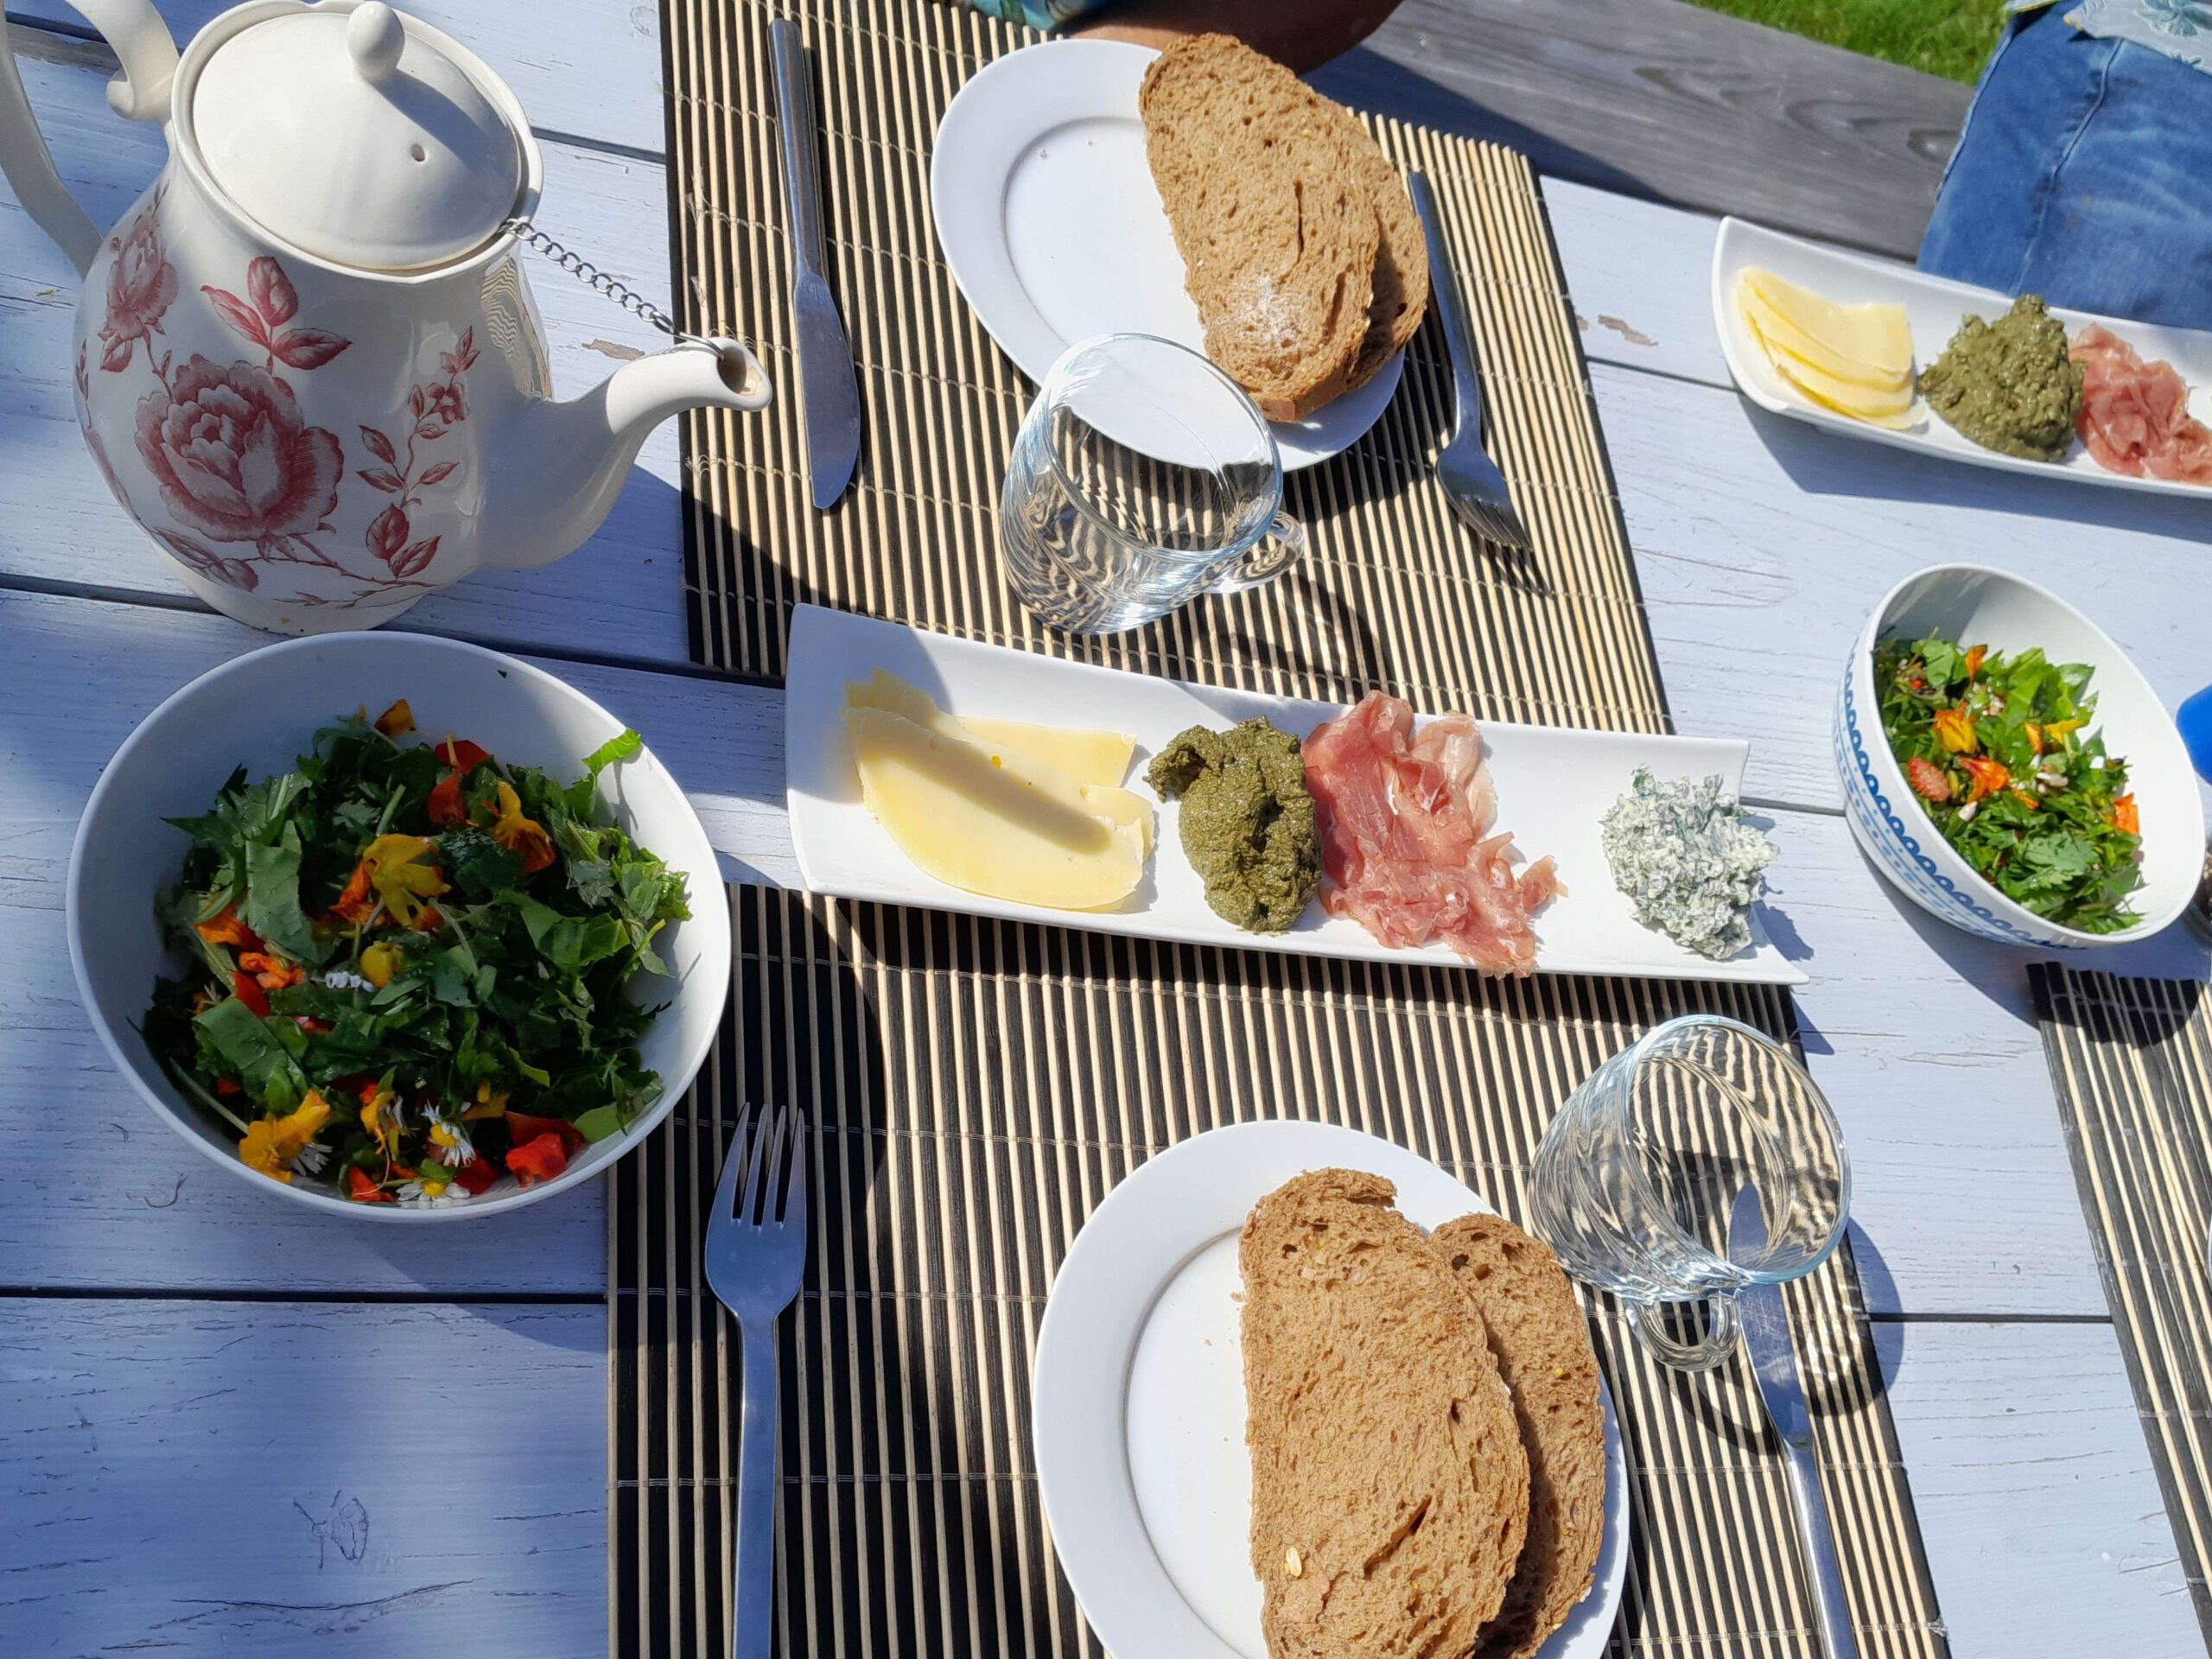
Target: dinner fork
(756, 1256)
(1472, 481)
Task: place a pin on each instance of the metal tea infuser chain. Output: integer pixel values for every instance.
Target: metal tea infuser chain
(599, 281)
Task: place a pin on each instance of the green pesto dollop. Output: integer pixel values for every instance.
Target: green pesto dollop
(1247, 821)
(2009, 384)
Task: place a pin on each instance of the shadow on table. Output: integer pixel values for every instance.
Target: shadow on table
(1366, 79)
(1829, 463)
(1999, 972)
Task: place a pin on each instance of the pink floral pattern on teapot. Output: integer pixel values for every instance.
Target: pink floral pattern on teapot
(226, 447)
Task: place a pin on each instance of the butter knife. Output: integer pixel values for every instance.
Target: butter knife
(829, 390)
(1774, 1362)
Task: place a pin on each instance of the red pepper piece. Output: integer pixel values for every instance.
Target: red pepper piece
(245, 987)
(539, 1160)
(363, 1190)
(446, 807)
(523, 1126)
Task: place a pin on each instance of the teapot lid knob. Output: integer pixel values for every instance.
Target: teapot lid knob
(375, 37)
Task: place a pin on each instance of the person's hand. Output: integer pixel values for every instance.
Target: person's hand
(1300, 33)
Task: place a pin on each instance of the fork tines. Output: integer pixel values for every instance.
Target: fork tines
(763, 1171)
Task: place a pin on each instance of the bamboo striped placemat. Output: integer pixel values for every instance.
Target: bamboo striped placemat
(2131, 1061)
(1396, 591)
(974, 1089)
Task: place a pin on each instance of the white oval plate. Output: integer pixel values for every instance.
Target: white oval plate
(1933, 309)
(1554, 784)
(1138, 1395)
(1046, 212)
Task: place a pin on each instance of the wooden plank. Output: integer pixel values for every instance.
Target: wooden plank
(1664, 100)
(99, 1193)
(584, 72)
(249, 1479)
(621, 594)
(1638, 276)
(2037, 1504)
(236, 1478)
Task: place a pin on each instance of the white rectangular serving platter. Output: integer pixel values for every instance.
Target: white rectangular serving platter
(1554, 786)
(1933, 307)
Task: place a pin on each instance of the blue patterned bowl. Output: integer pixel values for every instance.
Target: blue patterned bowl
(1979, 606)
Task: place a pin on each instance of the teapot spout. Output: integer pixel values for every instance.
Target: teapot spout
(561, 465)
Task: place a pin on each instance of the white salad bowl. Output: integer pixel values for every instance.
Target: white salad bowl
(1974, 605)
(261, 710)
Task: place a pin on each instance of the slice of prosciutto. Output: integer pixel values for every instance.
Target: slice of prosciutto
(1407, 847)
(2135, 416)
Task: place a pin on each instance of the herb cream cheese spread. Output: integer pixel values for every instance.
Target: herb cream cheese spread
(1683, 854)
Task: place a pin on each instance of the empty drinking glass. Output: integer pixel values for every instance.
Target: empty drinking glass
(1143, 476)
(1635, 1177)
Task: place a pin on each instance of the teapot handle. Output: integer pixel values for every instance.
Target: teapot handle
(141, 41)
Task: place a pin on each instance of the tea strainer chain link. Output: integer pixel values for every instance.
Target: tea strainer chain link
(601, 282)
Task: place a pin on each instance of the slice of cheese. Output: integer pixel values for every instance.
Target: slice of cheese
(1782, 332)
(1894, 409)
(1088, 757)
(1875, 337)
(977, 820)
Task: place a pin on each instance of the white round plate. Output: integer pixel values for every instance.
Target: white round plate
(1138, 1395)
(1046, 210)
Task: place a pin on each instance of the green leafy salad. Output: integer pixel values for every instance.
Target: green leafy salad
(1999, 751)
(410, 963)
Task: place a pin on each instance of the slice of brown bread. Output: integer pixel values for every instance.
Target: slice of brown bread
(1542, 1346)
(1401, 297)
(1279, 236)
(1389, 1489)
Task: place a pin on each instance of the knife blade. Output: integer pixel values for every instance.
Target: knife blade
(1781, 1390)
(829, 391)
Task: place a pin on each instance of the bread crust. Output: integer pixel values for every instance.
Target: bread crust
(1541, 1343)
(1389, 1484)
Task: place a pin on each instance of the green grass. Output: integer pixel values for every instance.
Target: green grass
(1944, 37)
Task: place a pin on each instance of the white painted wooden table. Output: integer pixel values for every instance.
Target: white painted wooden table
(200, 1386)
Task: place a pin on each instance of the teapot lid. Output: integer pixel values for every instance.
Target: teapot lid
(360, 137)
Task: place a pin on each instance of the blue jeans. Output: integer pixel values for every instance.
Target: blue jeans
(2084, 175)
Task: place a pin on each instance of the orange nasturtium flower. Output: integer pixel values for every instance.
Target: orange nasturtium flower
(270, 971)
(520, 835)
(2125, 817)
(1955, 730)
(1986, 777)
(397, 721)
(1974, 654)
(272, 1144)
(224, 927)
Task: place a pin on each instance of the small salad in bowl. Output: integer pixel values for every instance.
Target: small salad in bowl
(2009, 770)
(393, 964)
(407, 964)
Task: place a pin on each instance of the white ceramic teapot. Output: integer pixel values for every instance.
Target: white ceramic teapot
(307, 360)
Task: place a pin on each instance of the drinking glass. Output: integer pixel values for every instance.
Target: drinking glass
(1143, 476)
(1635, 1177)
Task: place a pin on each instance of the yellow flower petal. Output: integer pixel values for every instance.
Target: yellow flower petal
(380, 962)
(1955, 730)
(400, 875)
